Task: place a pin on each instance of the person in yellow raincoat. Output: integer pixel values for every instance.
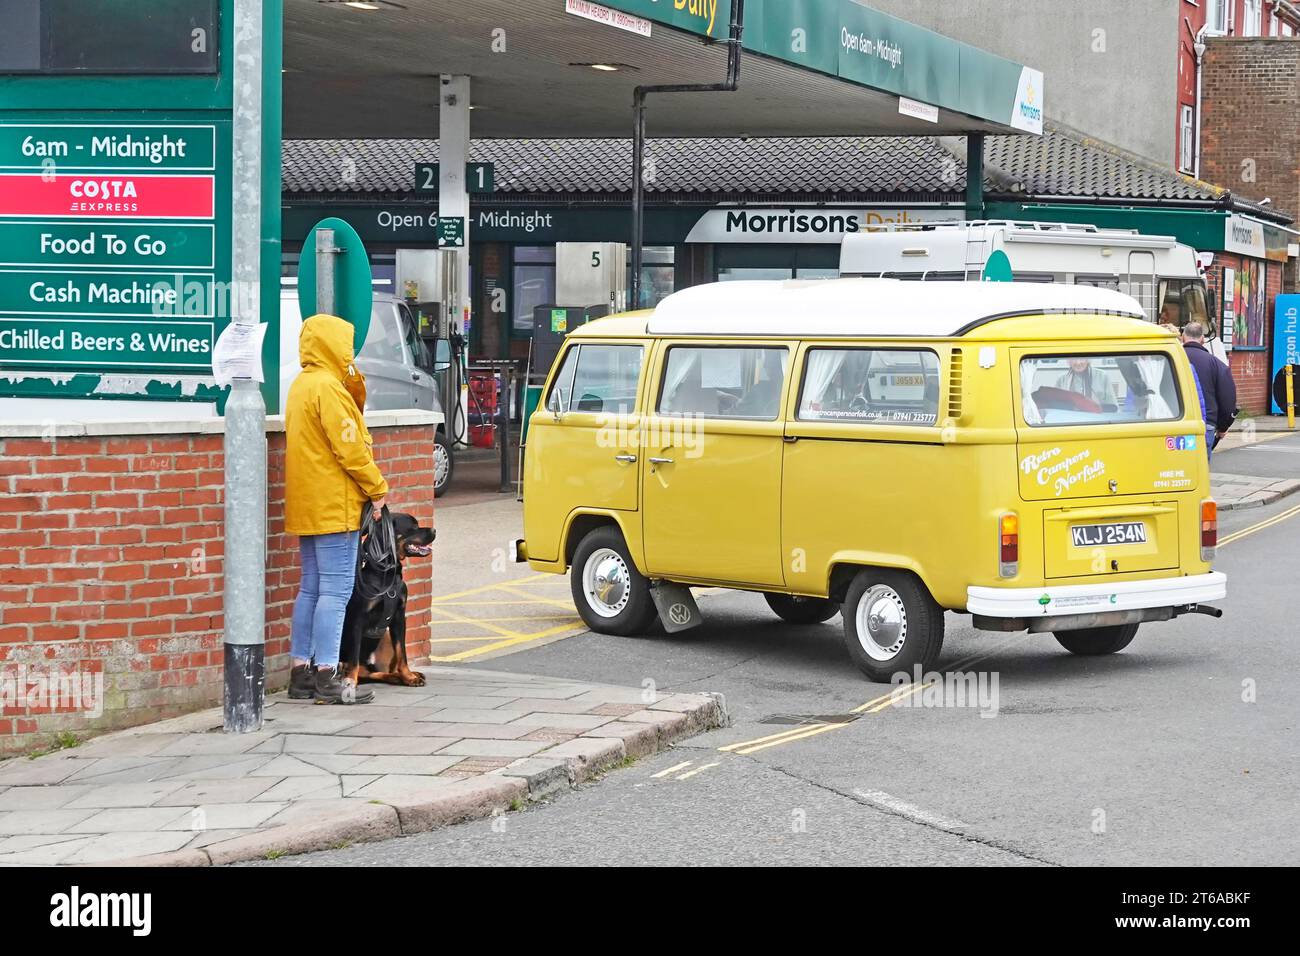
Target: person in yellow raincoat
(330, 474)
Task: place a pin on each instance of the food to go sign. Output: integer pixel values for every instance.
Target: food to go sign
(109, 242)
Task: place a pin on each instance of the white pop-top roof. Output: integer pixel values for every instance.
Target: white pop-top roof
(870, 307)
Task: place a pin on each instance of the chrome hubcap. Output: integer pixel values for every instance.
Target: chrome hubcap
(441, 465)
(605, 582)
(881, 623)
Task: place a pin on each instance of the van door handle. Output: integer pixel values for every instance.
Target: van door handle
(415, 376)
(627, 458)
(661, 461)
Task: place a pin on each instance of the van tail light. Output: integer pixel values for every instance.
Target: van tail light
(1209, 528)
(1009, 545)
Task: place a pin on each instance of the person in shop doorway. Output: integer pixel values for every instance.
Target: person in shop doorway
(330, 474)
(1217, 386)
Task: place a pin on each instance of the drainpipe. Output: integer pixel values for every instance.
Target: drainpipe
(1198, 47)
(638, 136)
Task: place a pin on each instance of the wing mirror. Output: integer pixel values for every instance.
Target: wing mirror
(441, 355)
(555, 404)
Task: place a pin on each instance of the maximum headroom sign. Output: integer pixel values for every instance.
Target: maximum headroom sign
(115, 196)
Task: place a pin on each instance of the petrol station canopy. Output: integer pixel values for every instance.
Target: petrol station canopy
(567, 68)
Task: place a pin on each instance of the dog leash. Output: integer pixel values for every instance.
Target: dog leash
(378, 552)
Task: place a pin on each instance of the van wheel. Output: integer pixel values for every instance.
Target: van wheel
(611, 595)
(444, 463)
(802, 610)
(891, 624)
(1094, 641)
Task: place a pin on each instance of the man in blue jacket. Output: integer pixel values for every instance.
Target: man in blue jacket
(1217, 386)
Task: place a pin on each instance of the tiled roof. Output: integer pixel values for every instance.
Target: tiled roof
(1060, 163)
(866, 164)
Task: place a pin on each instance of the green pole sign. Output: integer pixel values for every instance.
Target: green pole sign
(451, 231)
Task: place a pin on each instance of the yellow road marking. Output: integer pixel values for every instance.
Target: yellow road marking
(803, 734)
(861, 708)
(691, 773)
(1267, 523)
(509, 642)
(487, 587)
(898, 696)
(784, 733)
(673, 769)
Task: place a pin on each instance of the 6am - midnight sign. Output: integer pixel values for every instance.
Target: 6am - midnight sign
(109, 241)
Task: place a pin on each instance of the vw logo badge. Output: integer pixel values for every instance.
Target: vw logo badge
(679, 614)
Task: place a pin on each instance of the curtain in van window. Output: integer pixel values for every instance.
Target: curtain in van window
(1030, 410)
(676, 374)
(1153, 368)
(823, 366)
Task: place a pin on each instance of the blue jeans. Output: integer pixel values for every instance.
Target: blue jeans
(329, 568)
(1209, 443)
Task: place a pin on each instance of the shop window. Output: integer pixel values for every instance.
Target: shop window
(532, 284)
(724, 382)
(658, 275)
(812, 261)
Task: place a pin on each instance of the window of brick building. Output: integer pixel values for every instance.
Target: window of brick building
(1187, 139)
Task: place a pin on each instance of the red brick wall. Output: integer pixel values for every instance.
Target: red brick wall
(111, 554)
(1250, 126)
(1250, 369)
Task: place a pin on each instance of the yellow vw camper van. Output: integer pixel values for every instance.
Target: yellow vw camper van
(1030, 455)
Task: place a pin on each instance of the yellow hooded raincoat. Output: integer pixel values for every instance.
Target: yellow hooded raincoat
(329, 470)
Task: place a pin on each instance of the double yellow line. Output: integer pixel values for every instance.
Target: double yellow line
(1267, 523)
(803, 731)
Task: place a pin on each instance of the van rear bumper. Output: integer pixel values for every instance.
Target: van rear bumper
(1074, 599)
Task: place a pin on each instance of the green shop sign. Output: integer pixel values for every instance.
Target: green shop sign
(851, 41)
(116, 157)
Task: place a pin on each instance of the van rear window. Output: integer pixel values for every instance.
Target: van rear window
(1099, 389)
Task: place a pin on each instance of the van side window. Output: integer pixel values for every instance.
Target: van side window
(879, 386)
(724, 382)
(599, 379)
(1099, 389)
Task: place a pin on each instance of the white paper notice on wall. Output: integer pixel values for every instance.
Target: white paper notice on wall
(988, 356)
(238, 353)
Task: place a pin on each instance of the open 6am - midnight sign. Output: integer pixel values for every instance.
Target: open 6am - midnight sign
(115, 197)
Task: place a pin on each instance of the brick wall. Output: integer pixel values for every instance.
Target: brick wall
(111, 556)
(1250, 127)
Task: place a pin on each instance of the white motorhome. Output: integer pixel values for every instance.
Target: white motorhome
(1164, 275)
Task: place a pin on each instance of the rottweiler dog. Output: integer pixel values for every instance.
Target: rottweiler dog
(369, 619)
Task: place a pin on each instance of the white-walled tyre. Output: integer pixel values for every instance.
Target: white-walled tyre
(611, 595)
(891, 624)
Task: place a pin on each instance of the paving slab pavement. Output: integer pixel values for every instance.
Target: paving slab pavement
(469, 744)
